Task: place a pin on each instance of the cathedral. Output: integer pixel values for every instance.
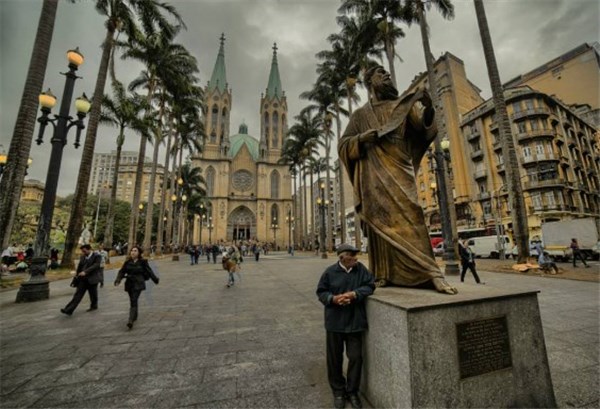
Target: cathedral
(249, 193)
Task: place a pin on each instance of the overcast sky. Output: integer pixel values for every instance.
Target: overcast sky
(526, 34)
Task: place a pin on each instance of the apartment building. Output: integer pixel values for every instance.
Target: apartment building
(559, 160)
(103, 168)
(126, 182)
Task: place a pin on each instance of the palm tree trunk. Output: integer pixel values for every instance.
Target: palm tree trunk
(83, 179)
(305, 218)
(163, 198)
(313, 229)
(515, 192)
(389, 53)
(139, 174)
(11, 182)
(445, 191)
(110, 217)
(150, 204)
(328, 219)
(171, 217)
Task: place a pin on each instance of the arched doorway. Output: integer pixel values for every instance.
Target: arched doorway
(241, 224)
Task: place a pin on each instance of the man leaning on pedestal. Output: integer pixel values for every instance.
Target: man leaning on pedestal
(343, 289)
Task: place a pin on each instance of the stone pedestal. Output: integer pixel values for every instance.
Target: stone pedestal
(37, 287)
(481, 348)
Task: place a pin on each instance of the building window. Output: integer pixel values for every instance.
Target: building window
(550, 201)
(517, 106)
(539, 149)
(521, 127)
(274, 215)
(210, 181)
(275, 135)
(529, 104)
(275, 185)
(214, 118)
(537, 200)
(487, 208)
(535, 125)
(266, 126)
(526, 152)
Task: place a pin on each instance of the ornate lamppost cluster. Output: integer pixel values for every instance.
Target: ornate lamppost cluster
(290, 222)
(322, 204)
(274, 227)
(437, 159)
(37, 288)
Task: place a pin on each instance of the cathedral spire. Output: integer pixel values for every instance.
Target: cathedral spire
(218, 80)
(274, 87)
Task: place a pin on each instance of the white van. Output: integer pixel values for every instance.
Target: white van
(487, 246)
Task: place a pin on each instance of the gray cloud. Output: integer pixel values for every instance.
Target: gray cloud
(525, 33)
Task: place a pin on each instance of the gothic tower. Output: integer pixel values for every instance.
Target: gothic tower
(273, 114)
(218, 109)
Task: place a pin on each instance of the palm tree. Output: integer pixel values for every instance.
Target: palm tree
(515, 192)
(194, 188)
(121, 16)
(381, 29)
(11, 183)
(303, 137)
(122, 112)
(163, 59)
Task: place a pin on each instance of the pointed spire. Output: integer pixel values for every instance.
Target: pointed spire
(218, 80)
(274, 87)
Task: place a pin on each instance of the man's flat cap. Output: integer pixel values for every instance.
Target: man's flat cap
(346, 247)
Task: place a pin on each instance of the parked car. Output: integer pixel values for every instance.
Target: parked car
(440, 249)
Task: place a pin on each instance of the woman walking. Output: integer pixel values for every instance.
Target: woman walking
(136, 271)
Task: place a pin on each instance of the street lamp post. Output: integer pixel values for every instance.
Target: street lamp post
(274, 227)
(322, 203)
(37, 288)
(210, 229)
(3, 159)
(290, 220)
(440, 155)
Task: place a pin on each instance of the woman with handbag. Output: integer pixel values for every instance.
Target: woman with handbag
(136, 271)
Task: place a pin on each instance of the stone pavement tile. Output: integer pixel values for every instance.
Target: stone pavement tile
(567, 360)
(201, 394)
(239, 370)
(572, 388)
(166, 381)
(190, 349)
(269, 383)
(235, 347)
(190, 333)
(263, 400)
(318, 396)
(580, 336)
(555, 342)
(62, 395)
(128, 367)
(34, 356)
(211, 360)
(23, 399)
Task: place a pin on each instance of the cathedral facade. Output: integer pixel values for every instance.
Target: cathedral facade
(249, 194)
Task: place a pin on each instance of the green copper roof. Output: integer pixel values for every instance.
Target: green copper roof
(237, 141)
(218, 80)
(274, 87)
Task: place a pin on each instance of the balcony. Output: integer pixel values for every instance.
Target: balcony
(497, 146)
(538, 184)
(539, 158)
(483, 196)
(500, 168)
(494, 126)
(480, 174)
(560, 138)
(473, 135)
(549, 208)
(530, 112)
(477, 154)
(553, 117)
(537, 133)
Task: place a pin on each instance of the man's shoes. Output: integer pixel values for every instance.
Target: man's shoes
(339, 402)
(66, 312)
(91, 309)
(355, 401)
(130, 325)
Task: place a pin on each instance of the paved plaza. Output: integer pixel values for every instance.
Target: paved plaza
(259, 344)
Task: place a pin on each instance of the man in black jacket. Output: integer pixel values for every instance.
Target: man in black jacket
(343, 289)
(88, 277)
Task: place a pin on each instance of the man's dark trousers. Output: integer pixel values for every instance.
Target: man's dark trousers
(335, 361)
(82, 287)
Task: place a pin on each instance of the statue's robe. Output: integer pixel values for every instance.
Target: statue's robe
(385, 189)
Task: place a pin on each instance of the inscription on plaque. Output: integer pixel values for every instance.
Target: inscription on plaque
(483, 346)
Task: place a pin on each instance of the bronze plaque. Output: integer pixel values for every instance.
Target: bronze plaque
(483, 346)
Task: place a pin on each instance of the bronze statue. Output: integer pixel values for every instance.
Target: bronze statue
(381, 148)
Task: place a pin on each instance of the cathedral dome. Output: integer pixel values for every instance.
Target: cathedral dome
(237, 141)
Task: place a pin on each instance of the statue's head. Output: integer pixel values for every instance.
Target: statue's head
(379, 82)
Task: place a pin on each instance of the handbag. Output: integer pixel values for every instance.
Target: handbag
(75, 281)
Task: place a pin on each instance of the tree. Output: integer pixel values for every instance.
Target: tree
(122, 111)
(381, 30)
(515, 191)
(13, 176)
(121, 16)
